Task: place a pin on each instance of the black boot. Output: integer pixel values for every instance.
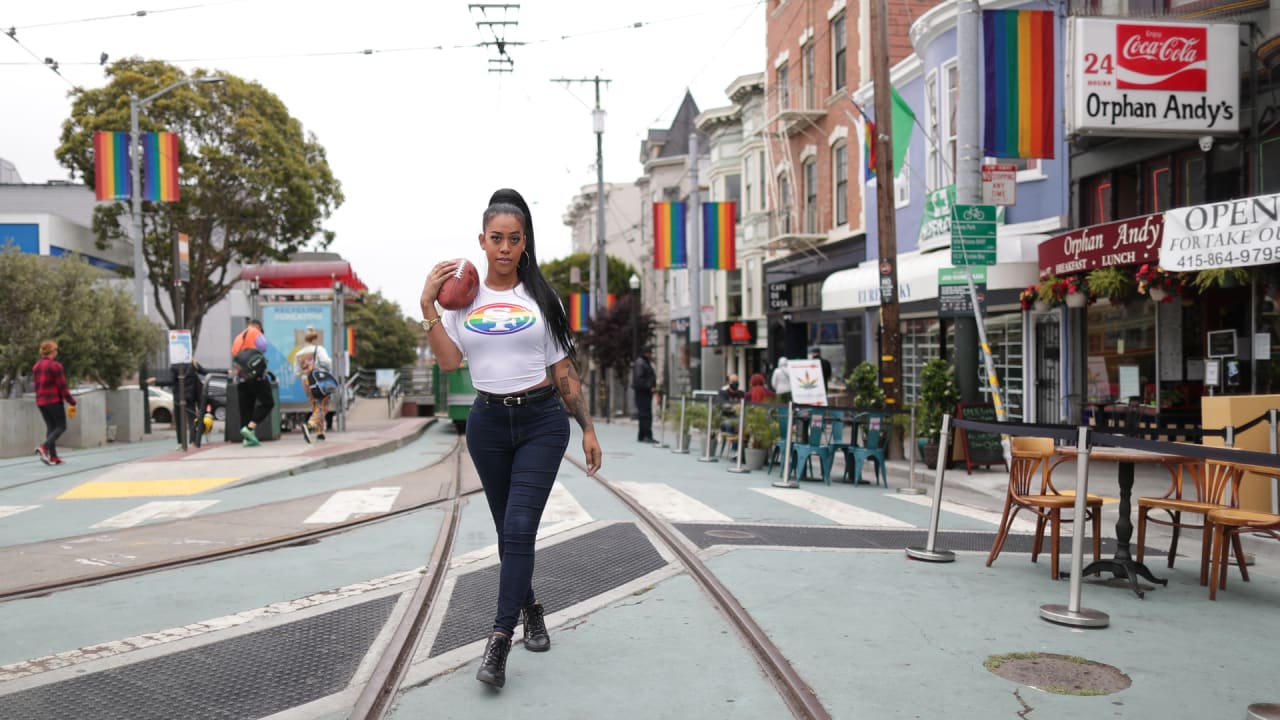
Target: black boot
(535, 629)
(493, 666)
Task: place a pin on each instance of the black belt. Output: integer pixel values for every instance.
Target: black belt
(517, 399)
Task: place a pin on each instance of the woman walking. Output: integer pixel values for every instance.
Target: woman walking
(51, 392)
(515, 337)
(313, 356)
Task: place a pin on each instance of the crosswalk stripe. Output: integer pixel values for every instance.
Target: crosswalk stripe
(7, 510)
(563, 507)
(1019, 524)
(345, 503)
(157, 510)
(834, 510)
(672, 504)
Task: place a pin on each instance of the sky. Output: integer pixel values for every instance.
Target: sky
(419, 137)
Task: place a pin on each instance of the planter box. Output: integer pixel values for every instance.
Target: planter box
(88, 429)
(21, 427)
(753, 458)
(124, 413)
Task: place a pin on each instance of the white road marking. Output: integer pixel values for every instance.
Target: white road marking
(834, 510)
(157, 510)
(1020, 524)
(563, 507)
(346, 503)
(7, 510)
(672, 504)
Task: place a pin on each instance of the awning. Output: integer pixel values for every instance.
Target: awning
(307, 275)
(859, 287)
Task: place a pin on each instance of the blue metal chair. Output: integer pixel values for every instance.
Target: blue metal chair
(819, 446)
(870, 446)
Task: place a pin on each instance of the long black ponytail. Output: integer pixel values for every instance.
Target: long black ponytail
(501, 203)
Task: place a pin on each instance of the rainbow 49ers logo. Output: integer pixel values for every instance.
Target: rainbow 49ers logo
(500, 319)
(1162, 57)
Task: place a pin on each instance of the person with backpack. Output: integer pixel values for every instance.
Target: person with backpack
(313, 365)
(253, 389)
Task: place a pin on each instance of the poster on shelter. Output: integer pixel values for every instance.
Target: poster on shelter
(286, 326)
(807, 386)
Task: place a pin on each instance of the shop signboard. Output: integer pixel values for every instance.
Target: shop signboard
(1152, 78)
(179, 347)
(779, 296)
(711, 336)
(680, 325)
(740, 332)
(973, 235)
(1233, 233)
(1126, 242)
(953, 291)
(807, 385)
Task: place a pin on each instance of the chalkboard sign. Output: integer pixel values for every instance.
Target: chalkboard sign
(980, 448)
(1222, 343)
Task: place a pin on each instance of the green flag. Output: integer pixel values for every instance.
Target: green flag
(903, 119)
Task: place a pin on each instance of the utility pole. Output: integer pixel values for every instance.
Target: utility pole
(694, 217)
(890, 357)
(968, 184)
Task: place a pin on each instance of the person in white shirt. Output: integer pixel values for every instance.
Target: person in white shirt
(781, 381)
(516, 339)
(311, 356)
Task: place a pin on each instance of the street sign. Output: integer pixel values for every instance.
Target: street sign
(888, 293)
(179, 347)
(973, 235)
(999, 184)
(953, 291)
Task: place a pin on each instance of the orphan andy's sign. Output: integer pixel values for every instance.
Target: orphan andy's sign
(1233, 233)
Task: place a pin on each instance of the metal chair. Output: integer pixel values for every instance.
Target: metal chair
(816, 447)
(870, 446)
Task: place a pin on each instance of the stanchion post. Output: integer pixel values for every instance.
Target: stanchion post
(708, 452)
(1072, 614)
(662, 424)
(930, 552)
(912, 449)
(681, 447)
(742, 424)
(1230, 436)
(786, 481)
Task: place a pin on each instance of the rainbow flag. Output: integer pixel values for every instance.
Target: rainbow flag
(719, 222)
(669, 236)
(111, 165)
(351, 341)
(1018, 55)
(160, 167)
(579, 311)
(609, 300)
(868, 150)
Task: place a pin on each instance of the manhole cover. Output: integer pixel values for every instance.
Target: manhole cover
(1061, 674)
(730, 534)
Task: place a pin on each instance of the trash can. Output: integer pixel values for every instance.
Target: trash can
(267, 430)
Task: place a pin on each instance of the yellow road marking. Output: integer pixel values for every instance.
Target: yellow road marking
(143, 488)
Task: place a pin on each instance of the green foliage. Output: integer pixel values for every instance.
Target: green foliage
(1221, 277)
(762, 427)
(938, 396)
(609, 338)
(557, 273)
(99, 333)
(1110, 282)
(864, 386)
(385, 338)
(255, 185)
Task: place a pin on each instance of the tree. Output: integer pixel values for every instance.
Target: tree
(254, 185)
(608, 339)
(385, 338)
(557, 273)
(95, 324)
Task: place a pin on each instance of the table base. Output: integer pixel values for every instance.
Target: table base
(1123, 568)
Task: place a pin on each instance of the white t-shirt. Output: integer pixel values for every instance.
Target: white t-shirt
(316, 355)
(506, 341)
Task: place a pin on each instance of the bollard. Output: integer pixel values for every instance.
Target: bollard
(930, 552)
(742, 424)
(911, 488)
(786, 481)
(681, 447)
(1073, 614)
(662, 426)
(709, 453)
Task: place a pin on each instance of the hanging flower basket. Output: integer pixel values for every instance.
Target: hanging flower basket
(1158, 294)
(1073, 291)
(1161, 286)
(1076, 300)
(1027, 298)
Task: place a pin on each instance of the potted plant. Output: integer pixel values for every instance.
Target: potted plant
(1074, 291)
(1029, 299)
(864, 387)
(1221, 277)
(1047, 293)
(762, 433)
(1109, 284)
(938, 396)
(695, 420)
(1161, 286)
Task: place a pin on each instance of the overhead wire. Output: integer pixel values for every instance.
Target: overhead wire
(47, 61)
(119, 16)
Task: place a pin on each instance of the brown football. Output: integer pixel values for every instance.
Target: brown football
(460, 288)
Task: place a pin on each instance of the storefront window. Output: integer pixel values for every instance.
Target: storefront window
(1004, 336)
(1158, 181)
(1120, 357)
(921, 342)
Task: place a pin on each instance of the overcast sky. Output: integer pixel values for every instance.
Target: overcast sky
(418, 137)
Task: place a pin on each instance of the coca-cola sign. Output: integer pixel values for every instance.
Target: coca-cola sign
(1125, 242)
(1152, 78)
(1164, 57)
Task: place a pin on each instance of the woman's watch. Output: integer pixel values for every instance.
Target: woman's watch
(428, 323)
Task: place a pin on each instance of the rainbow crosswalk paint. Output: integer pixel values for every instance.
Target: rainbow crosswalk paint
(111, 165)
(669, 247)
(160, 167)
(719, 222)
(1018, 57)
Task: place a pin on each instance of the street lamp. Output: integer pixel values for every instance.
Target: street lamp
(634, 282)
(135, 188)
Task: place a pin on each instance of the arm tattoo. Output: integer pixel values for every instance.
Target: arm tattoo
(571, 391)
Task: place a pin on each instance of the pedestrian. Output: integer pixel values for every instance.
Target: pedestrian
(815, 353)
(758, 392)
(253, 386)
(188, 386)
(782, 381)
(643, 380)
(313, 364)
(512, 334)
(51, 392)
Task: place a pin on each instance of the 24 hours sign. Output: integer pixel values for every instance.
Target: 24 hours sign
(1151, 78)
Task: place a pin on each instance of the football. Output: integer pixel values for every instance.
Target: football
(460, 288)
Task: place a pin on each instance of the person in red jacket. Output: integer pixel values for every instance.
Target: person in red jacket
(51, 392)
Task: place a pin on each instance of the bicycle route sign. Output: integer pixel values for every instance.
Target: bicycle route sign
(973, 235)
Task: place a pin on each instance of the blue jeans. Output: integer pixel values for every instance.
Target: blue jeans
(517, 452)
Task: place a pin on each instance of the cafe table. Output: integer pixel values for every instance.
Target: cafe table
(1122, 564)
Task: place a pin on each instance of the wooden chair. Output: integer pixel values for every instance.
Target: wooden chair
(1047, 507)
(1043, 447)
(1228, 523)
(1217, 485)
